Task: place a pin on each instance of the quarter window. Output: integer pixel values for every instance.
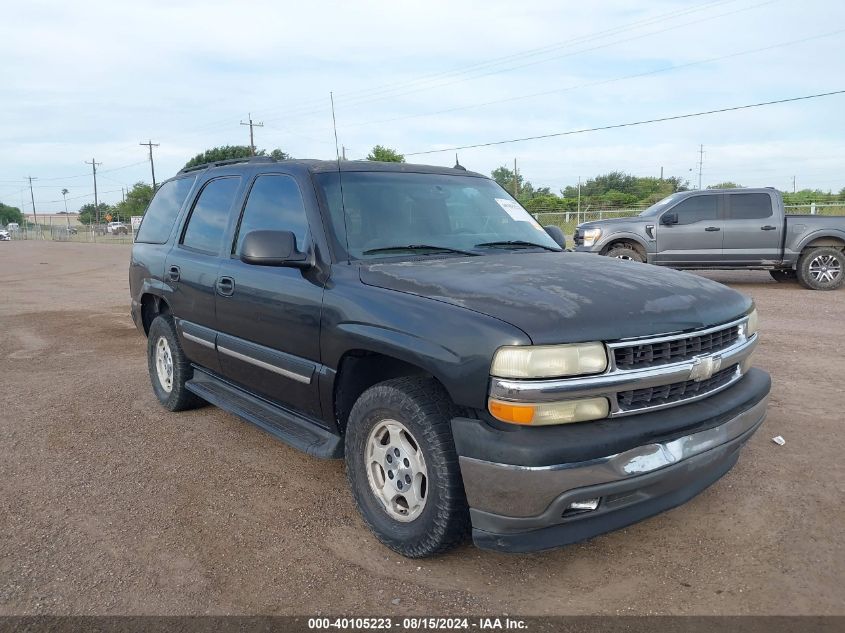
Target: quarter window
(697, 209)
(161, 214)
(749, 206)
(210, 215)
(274, 204)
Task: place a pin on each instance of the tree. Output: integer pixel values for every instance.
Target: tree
(88, 213)
(136, 203)
(725, 185)
(228, 152)
(385, 155)
(504, 177)
(10, 214)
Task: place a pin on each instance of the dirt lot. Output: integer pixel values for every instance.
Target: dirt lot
(112, 505)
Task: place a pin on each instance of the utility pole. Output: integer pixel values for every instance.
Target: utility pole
(343, 152)
(32, 197)
(151, 145)
(793, 184)
(123, 193)
(515, 180)
(251, 138)
(94, 164)
(578, 221)
(700, 163)
(661, 172)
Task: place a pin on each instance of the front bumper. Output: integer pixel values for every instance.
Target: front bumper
(519, 508)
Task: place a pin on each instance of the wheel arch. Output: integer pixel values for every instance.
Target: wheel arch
(627, 239)
(833, 238)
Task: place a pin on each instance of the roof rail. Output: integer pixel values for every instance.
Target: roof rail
(230, 161)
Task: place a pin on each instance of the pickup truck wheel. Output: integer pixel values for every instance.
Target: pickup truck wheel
(822, 268)
(169, 368)
(782, 276)
(624, 252)
(403, 469)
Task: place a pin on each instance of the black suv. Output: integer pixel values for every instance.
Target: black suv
(417, 321)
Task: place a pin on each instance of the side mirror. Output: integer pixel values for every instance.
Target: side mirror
(272, 248)
(556, 234)
(669, 219)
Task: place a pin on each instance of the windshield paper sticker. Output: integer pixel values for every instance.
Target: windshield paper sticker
(517, 212)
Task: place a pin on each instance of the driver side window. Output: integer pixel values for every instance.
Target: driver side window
(697, 209)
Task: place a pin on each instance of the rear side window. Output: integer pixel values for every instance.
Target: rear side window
(697, 209)
(749, 206)
(275, 204)
(211, 215)
(161, 214)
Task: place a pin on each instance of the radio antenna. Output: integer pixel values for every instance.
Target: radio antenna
(340, 181)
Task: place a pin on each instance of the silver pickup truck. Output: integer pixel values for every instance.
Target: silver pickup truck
(726, 229)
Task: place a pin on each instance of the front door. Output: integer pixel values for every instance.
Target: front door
(696, 239)
(268, 317)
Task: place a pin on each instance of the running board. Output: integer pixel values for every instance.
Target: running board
(287, 426)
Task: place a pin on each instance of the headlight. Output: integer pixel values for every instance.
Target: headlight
(547, 413)
(751, 324)
(591, 236)
(549, 361)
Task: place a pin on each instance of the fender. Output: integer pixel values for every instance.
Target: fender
(623, 235)
(818, 234)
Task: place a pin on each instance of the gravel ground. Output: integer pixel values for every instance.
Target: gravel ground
(111, 505)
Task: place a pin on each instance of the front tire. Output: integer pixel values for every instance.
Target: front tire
(822, 268)
(169, 368)
(403, 469)
(625, 252)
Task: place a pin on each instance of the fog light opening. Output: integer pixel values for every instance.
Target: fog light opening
(580, 507)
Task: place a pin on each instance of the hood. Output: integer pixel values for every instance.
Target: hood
(622, 220)
(567, 297)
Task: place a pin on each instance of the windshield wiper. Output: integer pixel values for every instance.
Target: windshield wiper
(522, 243)
(418, 247)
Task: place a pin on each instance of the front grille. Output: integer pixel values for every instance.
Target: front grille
(578, 238)
(675, 392)
(635, 356)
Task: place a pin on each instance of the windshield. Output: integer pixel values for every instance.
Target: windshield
(391, 214)
(657, 207)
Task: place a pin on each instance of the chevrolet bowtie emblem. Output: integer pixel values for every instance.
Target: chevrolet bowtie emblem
(704, 367)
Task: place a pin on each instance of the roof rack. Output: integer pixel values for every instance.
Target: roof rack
(230, 161)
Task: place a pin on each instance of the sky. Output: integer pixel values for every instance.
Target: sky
(85, 81)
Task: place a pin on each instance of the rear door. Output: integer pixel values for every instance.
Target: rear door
(191, 269)
(696, 240)
(752, 232)
(268, 317)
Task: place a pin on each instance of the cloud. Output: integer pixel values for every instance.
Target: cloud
(95, 78)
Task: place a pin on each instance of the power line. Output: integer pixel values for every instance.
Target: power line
(630, 124)
(365, 99)
(151, 145)
(599, 82)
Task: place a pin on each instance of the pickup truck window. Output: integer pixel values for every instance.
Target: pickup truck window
(210, 215)
(391, 209)
(274, 203)
(749, 206)
(697, 209)
(161, 214)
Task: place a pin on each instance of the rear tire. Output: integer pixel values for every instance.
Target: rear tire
(169, 368)
(822, 268)
(625, 252)
(403, 469)
(783, 276)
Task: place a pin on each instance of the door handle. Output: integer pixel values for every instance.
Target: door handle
(226, 286)
(712, 228)
(768, 227)
(174, 273)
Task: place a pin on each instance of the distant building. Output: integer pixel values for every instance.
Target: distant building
(56, 219)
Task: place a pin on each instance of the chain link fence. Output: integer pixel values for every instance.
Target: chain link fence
(99, 233)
